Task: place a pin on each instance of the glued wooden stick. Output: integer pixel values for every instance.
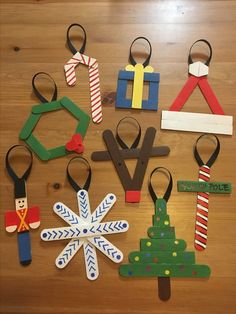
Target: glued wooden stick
(131, 153)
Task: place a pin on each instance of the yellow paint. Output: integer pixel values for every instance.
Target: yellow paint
(176, 242)
(174, 254)
(139, 71)
(136, 258)
(166, 222)
(167, 272)
(148, 244)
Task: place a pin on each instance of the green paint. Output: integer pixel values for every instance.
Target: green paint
(162, 257)
(159, 221)
(161, 233)
(37, 111)
(166, 270)
(162, 244)
(29, 126)
(210, 187)
(47, 107)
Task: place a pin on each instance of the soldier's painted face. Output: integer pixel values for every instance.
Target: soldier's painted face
(21, 203)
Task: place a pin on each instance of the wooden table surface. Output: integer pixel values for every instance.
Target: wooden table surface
(33, 39)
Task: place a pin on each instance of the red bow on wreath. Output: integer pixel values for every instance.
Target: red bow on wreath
(75, 144)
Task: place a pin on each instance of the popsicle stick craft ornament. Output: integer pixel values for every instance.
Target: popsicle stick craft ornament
(203, 188)
(86, 230)
(138, 73)
(23, 218)
(162, 255)
(217, 122)
(74, 145)
(94, 82)
(131, 185)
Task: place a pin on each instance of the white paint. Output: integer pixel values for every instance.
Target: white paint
(197, 122)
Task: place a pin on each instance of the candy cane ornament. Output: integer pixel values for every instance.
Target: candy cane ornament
(94, 83)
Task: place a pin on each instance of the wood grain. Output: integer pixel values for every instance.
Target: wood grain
(33, 37)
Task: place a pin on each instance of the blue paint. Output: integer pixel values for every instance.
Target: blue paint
(130, 273)
(111, 197)
(24, 247)
(44, 235)
(118, 257)
(82, 193)
(85, 231)
(151, 103)
(92, 275)
(60, 262)
(124, 225)
(58, 206)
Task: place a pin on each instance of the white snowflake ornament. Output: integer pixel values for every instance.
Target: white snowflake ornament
(86, 230)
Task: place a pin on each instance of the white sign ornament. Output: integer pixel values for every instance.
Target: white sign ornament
(86, 230)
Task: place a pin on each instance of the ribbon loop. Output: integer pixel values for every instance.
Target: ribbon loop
(69, 42)
(169, 187)
(190, 60)
(9, 168)
(131, 58)
(214, 154)
(38, 94)
(72, 182)
(137, 139)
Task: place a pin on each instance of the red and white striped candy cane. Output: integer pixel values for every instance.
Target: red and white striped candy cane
(95, 95)
(200, 239)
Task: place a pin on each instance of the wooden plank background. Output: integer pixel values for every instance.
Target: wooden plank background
(33, 35)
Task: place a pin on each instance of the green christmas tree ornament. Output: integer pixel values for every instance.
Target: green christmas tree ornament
(162, 255)
(74, 145)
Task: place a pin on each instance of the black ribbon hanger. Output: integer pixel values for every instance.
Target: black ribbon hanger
(169, 187)
(207, 62)
(214, 155)
(36, 91)
(69, 42)
(131, 58)
(72, 182)
(19, 183)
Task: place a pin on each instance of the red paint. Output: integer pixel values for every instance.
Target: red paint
(12, 218)
(206, 90)
(75, 144)
(132, 196)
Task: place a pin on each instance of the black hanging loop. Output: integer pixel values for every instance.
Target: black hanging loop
(131, 58)
(69, 42)
(9, 168)
(213, 156)
(38, 94)
(190, 60)
(19, 183)
(72, 182)
(121, 142)
(169, 187)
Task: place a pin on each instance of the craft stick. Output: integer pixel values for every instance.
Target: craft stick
(86, 230)
(67, 214)
(130, 153)
(166, 270)
(210, 96)
(103, 208)
(91, 263)
(198, 186)
(184, 93)
(166, 257)
(107, 248)
(83, 204)
(68, 252)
